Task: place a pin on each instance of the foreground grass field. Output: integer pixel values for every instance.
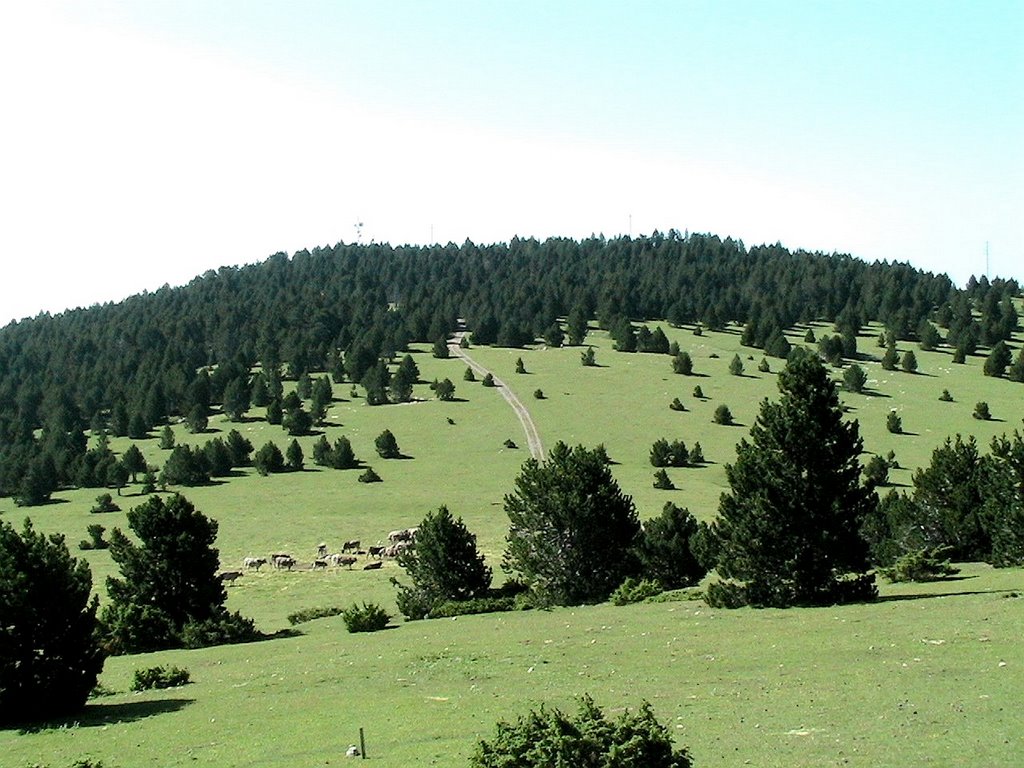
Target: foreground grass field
(931, 675)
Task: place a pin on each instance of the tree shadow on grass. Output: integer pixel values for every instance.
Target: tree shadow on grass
(96, 714)
(874, 393)
(959, 593)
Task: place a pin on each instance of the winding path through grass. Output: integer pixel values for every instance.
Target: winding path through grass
(532, 435)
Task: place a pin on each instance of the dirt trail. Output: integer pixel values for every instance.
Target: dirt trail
(532, 435)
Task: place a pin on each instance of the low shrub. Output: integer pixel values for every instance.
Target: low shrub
(548, 737)
(151, 678)
(928, 564)
(309, 614)
(635, 591)
(369, 476)
(450, 608)
(368, 618)
(226, 629)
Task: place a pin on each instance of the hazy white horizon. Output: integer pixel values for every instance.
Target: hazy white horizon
(145, 143)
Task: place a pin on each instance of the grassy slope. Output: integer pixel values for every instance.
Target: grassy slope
(867, 684)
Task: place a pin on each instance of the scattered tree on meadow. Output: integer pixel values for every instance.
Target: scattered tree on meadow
(133, 461)
(736, 366)
(663, 482)
(664, 549)
(571, 527)
(894, 423)
(297, 421)
(237, 399)
(294, 458)
(167, 438)
(240, 449)
(891, 358)
(268, 459)
(909, 361)
(168, 594)
(444, 389)
(197, 421)
(682, 364)
(49, 654)
(723, 415)
(387, 445)
(998, 360)
(520, 366)
(788, 528)
(440, 349)
(469, 375)
(185, 466)
(218, 458)
(578, 325)
(981, 411)
(854, 379)
(488, 380)
(443, 564)
(588, 358)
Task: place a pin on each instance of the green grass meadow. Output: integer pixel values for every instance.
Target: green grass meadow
(930, 675)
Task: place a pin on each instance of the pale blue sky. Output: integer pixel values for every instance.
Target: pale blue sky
(146, 142)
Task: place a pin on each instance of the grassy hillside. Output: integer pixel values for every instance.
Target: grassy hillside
(915, 679)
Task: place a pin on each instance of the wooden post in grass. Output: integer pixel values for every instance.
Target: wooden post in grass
(362, 745)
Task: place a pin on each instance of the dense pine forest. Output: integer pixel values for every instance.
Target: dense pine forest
(227, 339)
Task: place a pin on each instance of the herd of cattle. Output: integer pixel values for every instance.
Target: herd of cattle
(398, 541)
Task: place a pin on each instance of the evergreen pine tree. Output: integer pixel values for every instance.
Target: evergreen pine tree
(788, 529)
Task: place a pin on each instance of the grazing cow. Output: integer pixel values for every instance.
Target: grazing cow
(254, 562)
(321, 549)
(350, 546)
(347, 560)
(319, 563)
(394, 550)
(377, 551)
(375, 565)
(284, 561)
(227, 577)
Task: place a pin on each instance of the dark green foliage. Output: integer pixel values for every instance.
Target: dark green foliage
(928, 564)
(788, 529)
(168, 580)
(369, 617)
(309, 614)
(831, 348)
(520, 366)
(49, 656)
(677, 404)
(297, 422)
(696, 455)
(469, 375)
(342, 455)
(185, 466)
(95, 540)
(854, 379)
(578, 325)
(736, 366)
(294, 458)
(876, 472)
(488, 380)
(946, 397)
(588, 358)
(322, 451)
(929, 336)
(572, 529)
(538, 394)
(321, 398)
(38, 482)
(909, 361)
(666, 454)
(778, 346)
(274, 412)
(197, 421)
(894, 423)
(387, 445)
(1017, 369)
(239, 448)
(269, 459)
(635, 591)
(167, 438)
(763, 366)
(443, 564)
(440, 349)
(682, 364)
(554, 336)
(662, 481)
(981, 411)
(155, 678)
(723, 415)
(369, 476)
(133, 461)
(809, 337)
(218, 458)
(222, 628)
(104, 503)
(891, 358)
(548, 738)
(665, 551)
(444, 389)
(998, 359)
(698, 392)
(376, 382)
(237, 399)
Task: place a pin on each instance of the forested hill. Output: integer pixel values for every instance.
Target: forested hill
(343, 308)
